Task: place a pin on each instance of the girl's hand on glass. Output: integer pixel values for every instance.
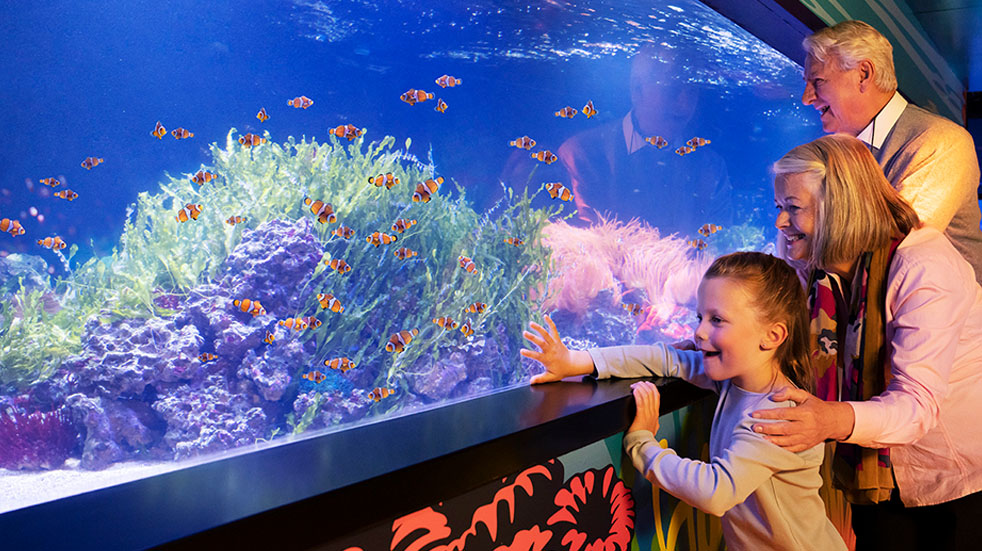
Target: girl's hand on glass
(559, 361)
(648, 401)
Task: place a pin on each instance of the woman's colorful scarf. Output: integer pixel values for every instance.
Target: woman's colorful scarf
(849, 353)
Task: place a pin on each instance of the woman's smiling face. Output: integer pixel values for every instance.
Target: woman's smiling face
(797, 206)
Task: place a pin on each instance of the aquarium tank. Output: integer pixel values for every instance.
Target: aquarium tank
(231, 223)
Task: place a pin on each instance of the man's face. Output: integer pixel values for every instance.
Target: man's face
(836, 95)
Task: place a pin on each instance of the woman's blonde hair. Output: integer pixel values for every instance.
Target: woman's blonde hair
(857, 210)
(777, 296)
(850, 42)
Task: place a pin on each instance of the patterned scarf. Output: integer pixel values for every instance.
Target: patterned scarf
(857, 370)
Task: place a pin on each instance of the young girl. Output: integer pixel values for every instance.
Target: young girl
(752, 340)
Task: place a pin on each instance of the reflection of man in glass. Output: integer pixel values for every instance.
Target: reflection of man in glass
(614, 170)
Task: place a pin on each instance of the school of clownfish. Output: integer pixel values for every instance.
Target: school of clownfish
(324, 213)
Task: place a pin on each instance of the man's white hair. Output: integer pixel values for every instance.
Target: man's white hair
(848, 43)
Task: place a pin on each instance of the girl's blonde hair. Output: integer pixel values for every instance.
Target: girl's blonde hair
(856, 208)
(850, 42)
(777, 296)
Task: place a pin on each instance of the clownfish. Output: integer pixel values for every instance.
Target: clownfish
(697, 142)
(300, 102)
(380, 393)
(54, 243)
(12, 227)
(633, 308)
(559, 191)
(398, 341)
(315, 377)
(708, 229)
(261, 115)
(189, 212)
(402, 253)
(387, 180)
(250, 140)
(698, 244)
(349, 131)
(524, 142)
(90, 162)
(441, 106)
(297, 324)
(589, 110)
(467, 264)
(311, 321)
(567, 112)
(250, 306)
(66, 194)
(269, 338)
(343, 364)
(446, 323)
(339, 266)
(207, 357)
(545, 156)
(466, 329)
(159, 131)
(344, 232)
(476, 308)
(379, 238)
(514, 241)
(51, 182)
(403, 224)
(684, 150)
(233, 220)
(426, 189)
(448, 81)
(657, 141)
(323, 211)
(181, 133)
(414, 96)
(203, 177)
(328, 302)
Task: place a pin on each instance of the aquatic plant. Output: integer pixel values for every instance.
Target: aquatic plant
(36, 440)
(33, 341)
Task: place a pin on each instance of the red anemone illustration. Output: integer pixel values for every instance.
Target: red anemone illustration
(599, 511)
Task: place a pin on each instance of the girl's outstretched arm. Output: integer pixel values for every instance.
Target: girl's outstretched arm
(558, 360)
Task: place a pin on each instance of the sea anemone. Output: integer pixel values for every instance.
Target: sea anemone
(596, 512)
(35, 441)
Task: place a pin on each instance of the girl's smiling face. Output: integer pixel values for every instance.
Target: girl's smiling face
(797, 206)
(734, 343)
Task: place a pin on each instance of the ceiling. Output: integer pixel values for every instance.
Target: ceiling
(955, 26)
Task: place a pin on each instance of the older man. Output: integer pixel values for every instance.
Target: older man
(931, 161)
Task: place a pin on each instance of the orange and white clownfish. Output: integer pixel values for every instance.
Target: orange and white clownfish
(466, 329)
(12, 227)
(311, 321)
(387, 180)
(297, 324)
(315, 377)
(476, 308)
(514, 241)
(559, 191)
(657, 141)
(261, 115)
(403, 224)
(708, 229)
(380, 393)
(159, 131)
(589, 110)
(270, 337)
(90, 162)
(338, 265)
(398, 341)
(203, 177)
(251, 140)
(402, 253)
(414, 96)
(445, 322)
(467, 264)
(524, 142)
(441, 106)
(181, 133)
(66, 194)
(250, 306)
(344, 232)
(189, 212)
(207, 357)
(545, 156)
(684, 150)
(54, 243)
(349, 131)
(448, 81)
(300, 102)
(697, 142)
(633, 308)
(233, 220)
(343, 364)
(567, 112)
(697, 244)
(329, 302)
(426, 189)
(379, 238)
(323, 211)
(50, 182)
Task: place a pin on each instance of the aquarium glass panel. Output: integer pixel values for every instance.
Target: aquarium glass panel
(227, 225)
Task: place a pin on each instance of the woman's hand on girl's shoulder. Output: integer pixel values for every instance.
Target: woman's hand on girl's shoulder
(559, 361)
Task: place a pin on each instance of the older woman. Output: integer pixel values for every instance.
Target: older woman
(897, 318)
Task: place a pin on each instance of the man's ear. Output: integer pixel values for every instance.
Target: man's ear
(866, 73)
(776, 334)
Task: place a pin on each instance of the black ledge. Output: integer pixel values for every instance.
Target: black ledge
(308, 492)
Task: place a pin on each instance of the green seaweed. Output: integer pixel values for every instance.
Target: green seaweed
(32, 341)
